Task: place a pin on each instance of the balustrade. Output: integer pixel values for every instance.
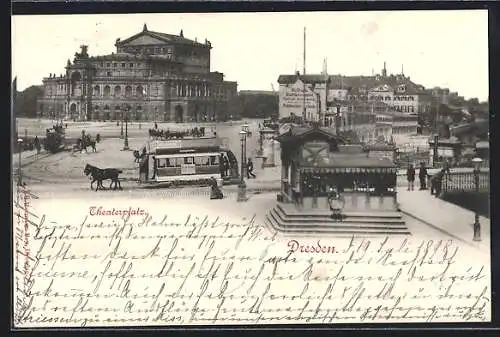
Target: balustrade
(464, 182)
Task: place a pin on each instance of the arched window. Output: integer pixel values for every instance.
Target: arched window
(118, 90)
(107, 91)
(128, 91)
(140, 91)
(97, 90)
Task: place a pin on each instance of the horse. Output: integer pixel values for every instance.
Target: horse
(100, 175)
(86, 142)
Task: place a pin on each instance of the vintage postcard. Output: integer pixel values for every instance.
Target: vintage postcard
(250, 168)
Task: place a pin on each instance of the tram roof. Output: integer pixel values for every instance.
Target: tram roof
(353, 162)
(188, 143)
(200, 144)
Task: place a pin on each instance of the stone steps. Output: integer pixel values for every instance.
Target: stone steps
(354, 224)
(326, 220)
(315, 215)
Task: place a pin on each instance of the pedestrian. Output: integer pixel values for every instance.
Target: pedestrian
(215, 191)
(250, 173)
(410, 176)
(155, 167)
(436, 182)
(422, 175)
(446, 166)
(36, 142)
(156, 126)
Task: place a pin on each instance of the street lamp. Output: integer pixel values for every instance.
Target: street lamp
(242, 186)
(246, 133)
(19, 173)
(477, 226)
(121, 132)
(125, 144)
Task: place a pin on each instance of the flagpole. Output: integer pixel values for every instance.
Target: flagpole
(304, 79)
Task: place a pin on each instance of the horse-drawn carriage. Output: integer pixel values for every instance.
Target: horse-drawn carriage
(55, 139)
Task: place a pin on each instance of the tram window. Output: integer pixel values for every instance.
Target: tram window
(161, 162)
(170, 162)
(201, 161)
(178, 161)
(214, 160)
(188, 160)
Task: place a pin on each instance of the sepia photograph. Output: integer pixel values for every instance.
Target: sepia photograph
(250, 168)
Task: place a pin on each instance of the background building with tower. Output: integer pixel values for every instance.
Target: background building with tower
(357, 101)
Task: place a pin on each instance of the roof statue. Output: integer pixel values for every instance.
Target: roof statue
(181, 33)
(145, 28)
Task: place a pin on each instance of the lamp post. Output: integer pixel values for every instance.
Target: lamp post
(477, 226)
(271, 162)
(19, 172)
(245, 130)
(125, 143)
(242, 186)
(121, 131)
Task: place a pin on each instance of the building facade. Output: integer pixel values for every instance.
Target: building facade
(387, 100)
(152, 76)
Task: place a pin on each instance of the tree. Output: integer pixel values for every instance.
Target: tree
(472, 102)
(258, 105)
(26, 101)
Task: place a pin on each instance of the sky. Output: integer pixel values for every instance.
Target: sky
(435, 48)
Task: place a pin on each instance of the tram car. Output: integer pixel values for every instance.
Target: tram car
(187, 161)
(55, 140)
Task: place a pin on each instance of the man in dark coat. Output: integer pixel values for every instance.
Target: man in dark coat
(155, 167)
(36, 142)
(250, 169)
(215, 191)
(437, 180)
(422, 176)
(410, 176)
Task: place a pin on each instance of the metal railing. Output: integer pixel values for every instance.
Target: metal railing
(465, 182)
